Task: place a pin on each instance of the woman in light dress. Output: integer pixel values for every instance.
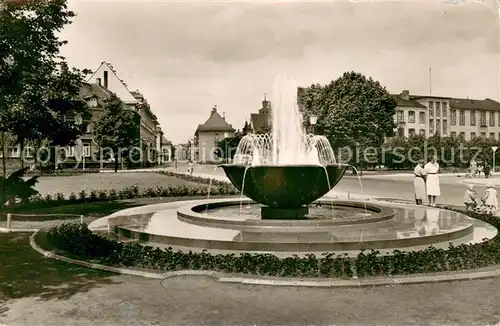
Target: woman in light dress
(419, 182)
(490, 200)
(432, 181)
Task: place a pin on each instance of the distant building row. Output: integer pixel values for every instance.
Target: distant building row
(98, 89)
(415, 114)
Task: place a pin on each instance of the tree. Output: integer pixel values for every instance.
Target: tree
(38, 92)
(352, 110)
(117, 130)
(228, 145)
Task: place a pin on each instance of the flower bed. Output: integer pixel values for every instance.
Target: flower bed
(77, 239)
(192, 178)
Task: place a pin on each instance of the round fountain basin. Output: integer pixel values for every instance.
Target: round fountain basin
(222, 229)
(284, 186)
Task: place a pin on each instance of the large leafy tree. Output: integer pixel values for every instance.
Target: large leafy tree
(38, 92)
(118, 129)
(352, 110)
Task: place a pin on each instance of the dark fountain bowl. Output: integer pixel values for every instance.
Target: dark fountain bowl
(285, 186)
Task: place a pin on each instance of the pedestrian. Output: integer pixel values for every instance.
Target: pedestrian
(490, 200)
(487, 170)
(419, 182)
(432, 181)
(470, 198)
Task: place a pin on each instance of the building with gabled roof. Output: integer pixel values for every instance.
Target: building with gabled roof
(150, 131)
(209, 134)
(259, 122)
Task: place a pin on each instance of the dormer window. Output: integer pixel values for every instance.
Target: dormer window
(93, 102)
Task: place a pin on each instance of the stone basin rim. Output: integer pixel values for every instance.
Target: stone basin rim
(188, 214)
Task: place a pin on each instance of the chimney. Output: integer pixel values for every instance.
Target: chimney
(105, 79)
(99, 81)
(214, 109)
(405, 94)
(224, 115)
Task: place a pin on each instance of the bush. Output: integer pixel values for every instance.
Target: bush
(79, 240)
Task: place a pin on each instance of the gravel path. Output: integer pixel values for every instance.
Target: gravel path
(203, 301)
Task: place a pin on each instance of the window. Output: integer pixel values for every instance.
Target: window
(411, 132)
(400, 116)
(453, 134)
(431, 127)
(472, 118)
(422, 132)
(86, 150)
(438, 109)
(15, 152)
(438, 126)
(411, 116)
(472, 135)
(421, 118)
(483, 119)
(462, 117)
(492, 135)
(28, 152)
(492, 119)
(216, 137)
(431, 108)
(483, 135)
(445, 129)
(445, 109)
(453, 114)
(93, 102)
(401, 132)
(462, 135)
(71, 151)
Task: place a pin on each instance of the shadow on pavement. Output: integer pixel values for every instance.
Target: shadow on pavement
(26, 273)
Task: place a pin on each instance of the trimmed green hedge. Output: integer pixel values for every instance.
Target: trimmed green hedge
(77, 239)
(192, 178)
(131, 192)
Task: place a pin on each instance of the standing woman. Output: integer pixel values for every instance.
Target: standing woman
(432, 182)
(419, 182)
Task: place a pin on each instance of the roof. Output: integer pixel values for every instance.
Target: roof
(215, 123)
(94, 90)
(258, 122)
(454, 103)
(407, 102)
(470, 104)
(165, 141)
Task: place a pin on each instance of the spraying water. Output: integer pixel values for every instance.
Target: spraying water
(288, 143)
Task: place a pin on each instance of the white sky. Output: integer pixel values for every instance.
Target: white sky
(186, 57)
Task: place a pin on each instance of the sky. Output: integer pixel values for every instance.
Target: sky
(186, 57)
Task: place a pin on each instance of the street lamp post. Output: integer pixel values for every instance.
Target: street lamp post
(494, 148)
(312, 120)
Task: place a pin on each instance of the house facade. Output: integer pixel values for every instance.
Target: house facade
(259, 122)
(209, 134)
(446, 116)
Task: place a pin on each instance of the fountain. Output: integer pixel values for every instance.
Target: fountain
(287, 169)
(281, 174)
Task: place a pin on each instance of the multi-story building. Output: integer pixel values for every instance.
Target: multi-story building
(446, 116)
(209, 134)
(151, 135)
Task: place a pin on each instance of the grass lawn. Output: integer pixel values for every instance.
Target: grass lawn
(95, 209)
(24, 272)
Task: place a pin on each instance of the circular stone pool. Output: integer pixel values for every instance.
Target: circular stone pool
(226, 225)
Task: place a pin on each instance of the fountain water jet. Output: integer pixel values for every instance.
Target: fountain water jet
(287, 169)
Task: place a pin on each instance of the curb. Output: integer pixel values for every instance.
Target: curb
(474, 274)
(7, 230)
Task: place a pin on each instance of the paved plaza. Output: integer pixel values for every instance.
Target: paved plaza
(86, 297)
(385, 185)
(126, 300)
